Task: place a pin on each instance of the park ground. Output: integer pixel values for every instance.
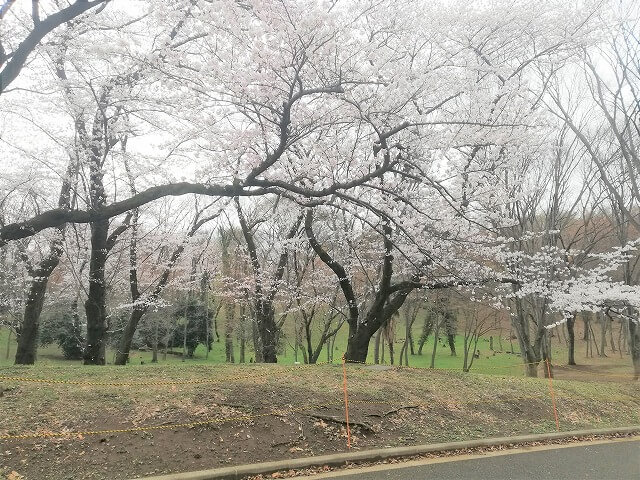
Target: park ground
(503, 358)
(122, 422)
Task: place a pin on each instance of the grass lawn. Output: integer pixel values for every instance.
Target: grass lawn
(489, 362)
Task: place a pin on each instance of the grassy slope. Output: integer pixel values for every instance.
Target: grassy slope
(447, 406)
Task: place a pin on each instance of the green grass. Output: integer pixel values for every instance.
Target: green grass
(488, 362)
(51, 354)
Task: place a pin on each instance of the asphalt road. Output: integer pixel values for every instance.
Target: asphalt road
(603, 461)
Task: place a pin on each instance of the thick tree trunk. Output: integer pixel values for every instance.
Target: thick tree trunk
(124, 346)
(28, 338)
(358, 344)
(96, 304)
(572, 339)
(268, 331)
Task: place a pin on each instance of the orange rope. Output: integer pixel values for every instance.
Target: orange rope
(346, 400)
(553, 397)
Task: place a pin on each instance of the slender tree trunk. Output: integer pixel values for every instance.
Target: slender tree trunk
(592, 335)
(427, 329)
(613, 345)
(634, 339)
(412, 346)
(154, 358)
(230, 310)
(390, 337)
(407, 342)
(451, 338)
(572, 339)
(184, 339)
(603, 334)
(436, 334)
(376, 347)
(465, 352)
(329, 351)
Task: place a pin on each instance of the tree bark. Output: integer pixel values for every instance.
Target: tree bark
(96, 304)
(451, 339)
(268, 331)
(154, 358)
(28, 336)
(572, 339)
(634, 340)
(124, 346)
(230, 309)
(357, 344)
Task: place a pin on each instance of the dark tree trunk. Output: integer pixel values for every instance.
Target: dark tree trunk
(230, 310)
(96, 304)
(268, 331)
(634, 340)
(391, 351)
(357, 344)
(124, 345)
(527, 351)
(28, 337)
(451, 338)
(572, 339)
(154, 358)
(242, 336)
(427, 328)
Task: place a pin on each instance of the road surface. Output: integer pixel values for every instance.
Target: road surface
(615, 460)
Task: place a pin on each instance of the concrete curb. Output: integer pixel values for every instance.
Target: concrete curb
(340, 459)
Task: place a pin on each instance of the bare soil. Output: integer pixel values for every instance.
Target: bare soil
(260, 413)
